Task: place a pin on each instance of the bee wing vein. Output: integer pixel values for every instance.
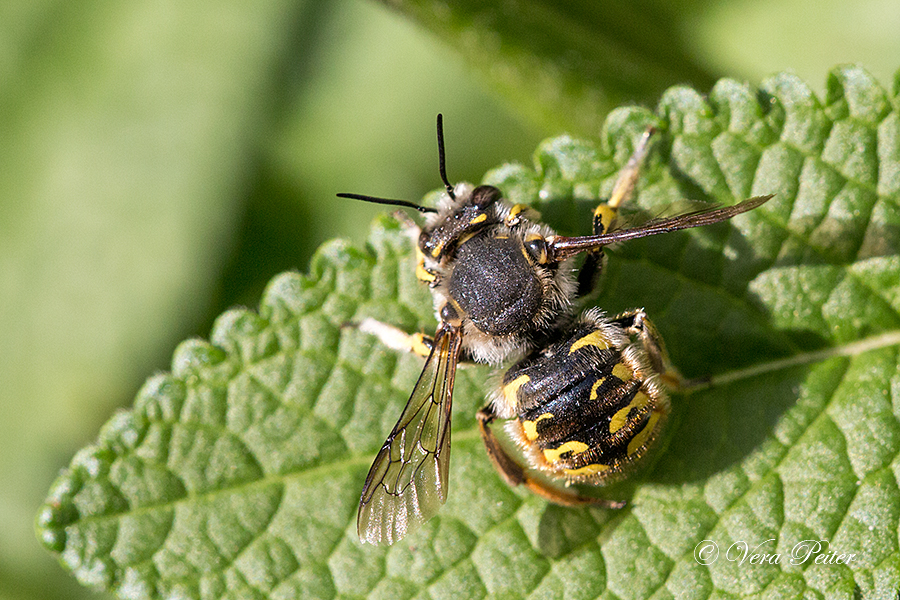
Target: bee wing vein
(407, 483)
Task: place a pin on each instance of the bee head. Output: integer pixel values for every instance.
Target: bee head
(459, 217)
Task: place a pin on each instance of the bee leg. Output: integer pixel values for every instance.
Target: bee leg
(590, 269)
(636, 323)
(605, 214)
(514, 474)
(628, 176)
(653, 345)
(397, 339)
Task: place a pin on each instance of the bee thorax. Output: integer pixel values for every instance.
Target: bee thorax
(496, 286)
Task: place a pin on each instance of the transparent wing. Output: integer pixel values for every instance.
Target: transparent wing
(632, 217)
(407, 483)
(565, 246)
(699, 215)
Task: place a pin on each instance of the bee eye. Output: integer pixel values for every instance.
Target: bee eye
(485, 195)
(537, 248)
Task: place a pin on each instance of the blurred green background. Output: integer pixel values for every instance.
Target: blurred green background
(160, 161)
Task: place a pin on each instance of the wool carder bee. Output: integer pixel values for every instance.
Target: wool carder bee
(586, 396)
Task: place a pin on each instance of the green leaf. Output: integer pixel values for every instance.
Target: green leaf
(237, 475)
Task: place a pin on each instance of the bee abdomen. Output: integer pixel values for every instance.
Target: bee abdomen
(584, 410)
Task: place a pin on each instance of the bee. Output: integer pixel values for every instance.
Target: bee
(586, 396)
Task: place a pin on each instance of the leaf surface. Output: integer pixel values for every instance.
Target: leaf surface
(238, 473)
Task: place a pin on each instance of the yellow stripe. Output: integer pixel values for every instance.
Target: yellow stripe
(511, 389)
(575, 447)
(587, 470)
(466, 238)
(619, 419)
(595, 338)
(479, 219)
(422, 274)
(527, 256)
(596, 387)
(530, 427)
(640, 439)
(622, 372)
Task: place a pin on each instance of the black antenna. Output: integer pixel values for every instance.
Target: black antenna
(441, 165)
(403, 203)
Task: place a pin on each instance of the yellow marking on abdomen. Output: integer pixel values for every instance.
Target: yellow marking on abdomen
(622, 372)
(640, 439)
(619, 419)
(479, 219)
(530, 427)
(586, 470)
(594, 338)
(596, 387)
(512, 388)
(575, 447)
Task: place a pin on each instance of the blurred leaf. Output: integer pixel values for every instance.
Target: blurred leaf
(753, 38)
(238, 474)
(125, 130)
(350, 117)
(566, 64)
